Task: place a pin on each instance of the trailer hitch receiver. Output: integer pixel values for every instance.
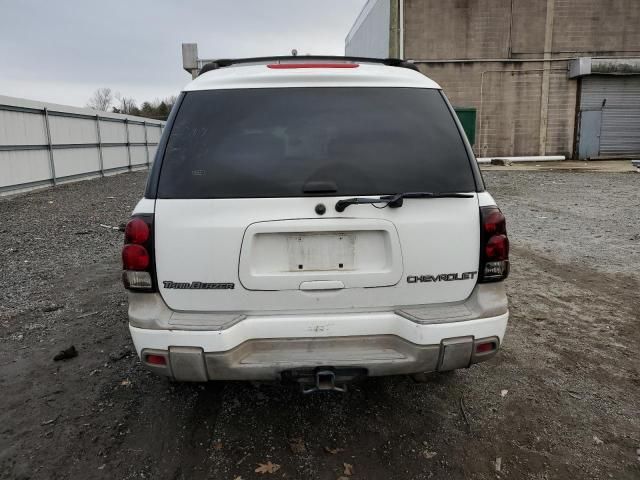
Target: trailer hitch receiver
(324, 378)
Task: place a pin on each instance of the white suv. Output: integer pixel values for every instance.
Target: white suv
(314, 220)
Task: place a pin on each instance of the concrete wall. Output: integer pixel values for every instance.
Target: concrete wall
(443, 30)
(597, 27)
(45, 144)
(369, 36)
(481, 29)
(507, 59)
(507, 97)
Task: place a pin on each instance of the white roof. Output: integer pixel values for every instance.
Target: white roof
(261, 76)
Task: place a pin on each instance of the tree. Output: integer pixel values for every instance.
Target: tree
(101, 99)
(146, 110)
(162, 111)
(158, 109)
(126, 105)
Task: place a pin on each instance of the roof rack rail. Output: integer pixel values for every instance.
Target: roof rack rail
(391, 62)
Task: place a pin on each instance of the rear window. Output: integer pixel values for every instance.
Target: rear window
(277, 142)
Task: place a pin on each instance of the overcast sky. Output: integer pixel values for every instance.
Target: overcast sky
(62, 50)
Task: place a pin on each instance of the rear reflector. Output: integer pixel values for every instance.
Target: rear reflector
(156, 359)
(485, 347)
(282, 66)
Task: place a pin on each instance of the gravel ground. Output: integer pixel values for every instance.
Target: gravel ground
(561, 400)
(574, 217)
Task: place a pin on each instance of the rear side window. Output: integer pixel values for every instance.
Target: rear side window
(274, 142)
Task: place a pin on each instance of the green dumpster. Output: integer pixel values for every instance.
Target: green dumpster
(467, 116)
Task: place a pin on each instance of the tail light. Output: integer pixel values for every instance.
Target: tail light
(494, 245)
(137, 255)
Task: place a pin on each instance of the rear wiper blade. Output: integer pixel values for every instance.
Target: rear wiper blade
(395, 201)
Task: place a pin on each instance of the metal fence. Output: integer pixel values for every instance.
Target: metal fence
(46, 144)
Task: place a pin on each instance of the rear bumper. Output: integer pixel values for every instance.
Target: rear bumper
(262, 347)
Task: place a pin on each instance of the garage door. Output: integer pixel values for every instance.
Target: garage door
(609, 116)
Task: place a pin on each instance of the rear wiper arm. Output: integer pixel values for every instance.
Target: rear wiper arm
(395, 201)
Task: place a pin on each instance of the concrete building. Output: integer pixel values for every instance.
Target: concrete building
(546, 77)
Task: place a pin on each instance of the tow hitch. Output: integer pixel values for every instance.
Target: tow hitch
(324, 378)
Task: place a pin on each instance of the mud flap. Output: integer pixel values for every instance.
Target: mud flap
(455, 353)
(187, 364)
